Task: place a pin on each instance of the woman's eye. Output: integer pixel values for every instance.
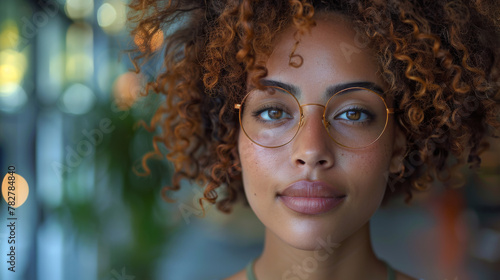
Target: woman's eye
(357, 115)
(273, 114)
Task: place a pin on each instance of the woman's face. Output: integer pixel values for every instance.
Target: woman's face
(332, 55)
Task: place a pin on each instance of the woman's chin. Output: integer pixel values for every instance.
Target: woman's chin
(309, 240)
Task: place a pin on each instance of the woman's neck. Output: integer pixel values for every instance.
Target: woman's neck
(352, 259)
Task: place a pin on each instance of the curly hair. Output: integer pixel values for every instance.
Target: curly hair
(439, 58)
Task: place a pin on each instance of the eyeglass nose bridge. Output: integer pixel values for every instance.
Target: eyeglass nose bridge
(302, 117)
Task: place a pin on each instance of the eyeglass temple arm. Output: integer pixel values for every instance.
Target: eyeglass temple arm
(237, 106)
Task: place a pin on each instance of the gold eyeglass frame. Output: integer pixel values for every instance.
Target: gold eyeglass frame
(325, 122)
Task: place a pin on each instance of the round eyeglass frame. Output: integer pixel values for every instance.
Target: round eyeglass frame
(325, 122)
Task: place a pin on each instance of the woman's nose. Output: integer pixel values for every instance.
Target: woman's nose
(312, 146)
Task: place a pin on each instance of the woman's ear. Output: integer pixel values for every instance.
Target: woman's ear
(399, 151)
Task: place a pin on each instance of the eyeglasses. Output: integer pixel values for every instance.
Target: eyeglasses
(354, 117)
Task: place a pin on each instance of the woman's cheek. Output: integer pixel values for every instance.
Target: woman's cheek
(253, 165)
(368, 177)
(259, 163)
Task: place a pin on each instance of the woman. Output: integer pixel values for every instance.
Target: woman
(315, 112)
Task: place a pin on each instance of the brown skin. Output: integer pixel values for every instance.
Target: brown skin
(361, 174)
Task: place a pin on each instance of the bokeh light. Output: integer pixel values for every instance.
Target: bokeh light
(127, 89)
(9, 35)
(12, 69)
(79, 52)
(106, 15)
(155, 42)
(14, 101)
(111, 16)
(78, 99)
(78, 9)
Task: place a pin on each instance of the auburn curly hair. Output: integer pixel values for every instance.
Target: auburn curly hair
(440, 59)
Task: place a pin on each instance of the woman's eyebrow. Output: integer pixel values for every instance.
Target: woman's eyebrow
(290, 88)
(331, 90)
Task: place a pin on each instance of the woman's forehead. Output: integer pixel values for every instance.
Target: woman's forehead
(330, 55)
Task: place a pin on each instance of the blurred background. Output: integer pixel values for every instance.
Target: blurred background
(69, 108)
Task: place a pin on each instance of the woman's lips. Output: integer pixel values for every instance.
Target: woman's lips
(311, 197)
